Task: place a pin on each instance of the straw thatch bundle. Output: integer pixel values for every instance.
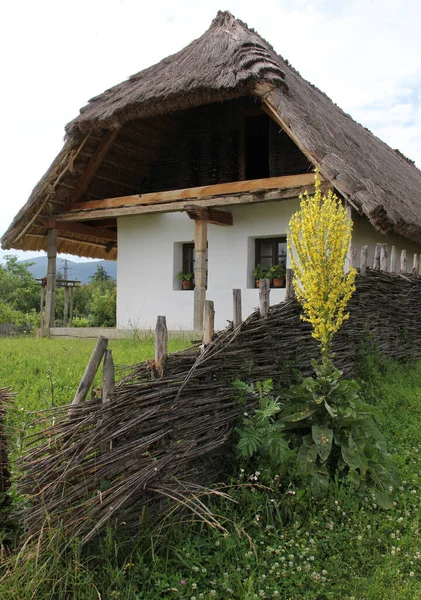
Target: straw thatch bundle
(166, 438)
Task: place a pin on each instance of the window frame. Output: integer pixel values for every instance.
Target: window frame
(276, 258)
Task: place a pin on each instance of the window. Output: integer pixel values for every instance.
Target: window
(188, 258)
(270, 252)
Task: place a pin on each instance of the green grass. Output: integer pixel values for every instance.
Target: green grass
(284, 545)
(45, 372)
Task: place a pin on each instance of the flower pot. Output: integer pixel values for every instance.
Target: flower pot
(257, 282)
(278, 282)
(187, 285)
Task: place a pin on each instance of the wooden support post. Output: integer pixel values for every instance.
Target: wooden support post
(383, 258)
(264, 291)
(71, 307)
(403, 261)
(200, 247)
(90, 371)
(237, 316)
(161, 345)
(393, 260)
(376, 261)
(51, 278)
(66, 306)
(353, 257)
(208, 322)
(289, 287)
(41, 305)
(364, 259)
(108, 387)
(415, 264)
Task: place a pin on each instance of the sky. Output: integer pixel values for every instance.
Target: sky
(55, 55)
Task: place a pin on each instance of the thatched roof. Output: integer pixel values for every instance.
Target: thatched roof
(228, 61)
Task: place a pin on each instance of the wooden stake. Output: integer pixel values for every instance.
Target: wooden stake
(200, 247)
(376, 261)
(108, 387)
(51, 277)
(364, 259)
(90, 371)
(209, 322)
(353, 257)
(161, 345)
(237, 317)
(264, 291)
(71, 307)
(393, 260)
(403, 261)
(289, 287)
(383, 257)
(415, 264)
(41, 305)
(66, 306)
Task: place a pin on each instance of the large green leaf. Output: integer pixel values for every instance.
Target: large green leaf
(322, 436)
(383, 499)
(298, 416)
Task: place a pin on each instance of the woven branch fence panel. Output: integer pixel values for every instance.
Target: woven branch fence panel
(167, 437)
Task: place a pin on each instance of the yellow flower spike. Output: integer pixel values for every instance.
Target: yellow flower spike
(318, 240)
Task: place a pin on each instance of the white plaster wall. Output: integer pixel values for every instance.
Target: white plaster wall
(149, 257)
(364, 234)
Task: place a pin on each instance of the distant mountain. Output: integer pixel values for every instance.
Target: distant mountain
(80, 271)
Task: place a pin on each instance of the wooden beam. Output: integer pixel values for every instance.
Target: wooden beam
(93, 166)
(51, 277)
(200, 247)
(79, 228)
(181, 206)
(211, 215)
(220, 189)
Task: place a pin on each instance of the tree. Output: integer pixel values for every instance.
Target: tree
(18, 287)
(100, 275)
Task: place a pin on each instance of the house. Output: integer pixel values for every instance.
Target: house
(195, 164)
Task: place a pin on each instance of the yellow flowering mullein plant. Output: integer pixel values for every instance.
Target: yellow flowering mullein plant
(318, 243)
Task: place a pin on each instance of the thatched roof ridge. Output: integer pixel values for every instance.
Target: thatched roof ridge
(230, 60)
(224, 62)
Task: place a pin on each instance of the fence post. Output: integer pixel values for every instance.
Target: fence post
(415, 265)
(393, 260)
(108, 387)
(403, 261)
(90, 371)
(161, 344)
(264, 291)
(376, 261)
(383, 257)
(289, 288)
(364, 259)
(208, 322)
(236, 308)
(353, 257)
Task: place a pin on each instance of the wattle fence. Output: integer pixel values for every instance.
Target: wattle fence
(165, 430)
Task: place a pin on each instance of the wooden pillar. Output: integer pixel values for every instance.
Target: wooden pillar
(41, 305)
(403, 261)
(51, 278)
(376, 261)
(200, 247)
(415, 264)
(237, 317)
(66, 305)
(71, 307)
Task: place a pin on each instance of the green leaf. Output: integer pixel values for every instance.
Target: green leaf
(332, 411)
(383, 499)
(298, 416)
(322, 436)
